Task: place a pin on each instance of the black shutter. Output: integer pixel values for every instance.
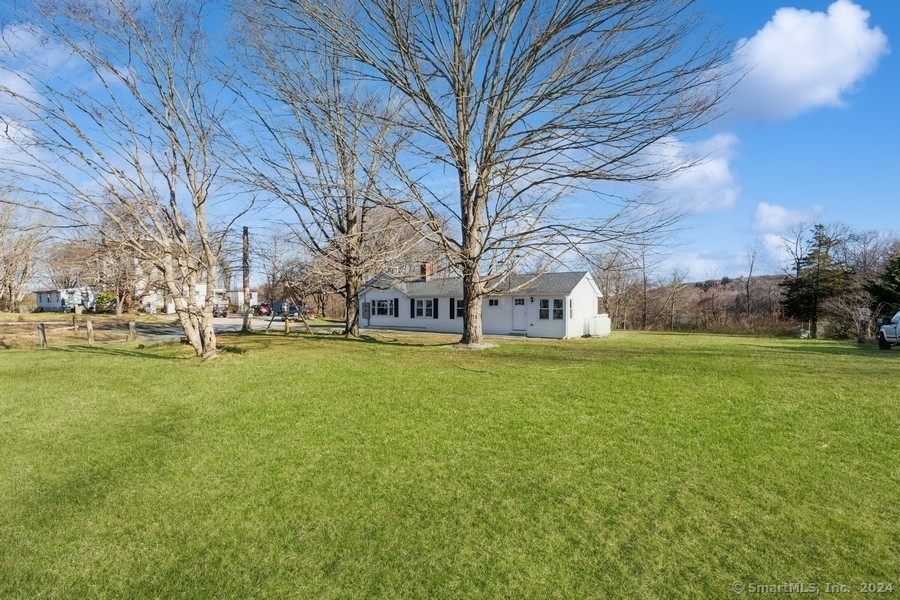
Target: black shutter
(452, 308)
(435, 308)
(396, 307)
(412, 308)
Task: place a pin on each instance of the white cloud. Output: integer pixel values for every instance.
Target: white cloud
(24, 40)
(772, 217)
(777, 249)
(705, 181)
(694, 266)
(802, 60)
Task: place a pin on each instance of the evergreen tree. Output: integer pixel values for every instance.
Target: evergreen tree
(820, 276)
(885, 288)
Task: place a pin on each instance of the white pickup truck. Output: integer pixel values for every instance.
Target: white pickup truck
(889, 334)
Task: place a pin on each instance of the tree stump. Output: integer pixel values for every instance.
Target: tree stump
(42, 335)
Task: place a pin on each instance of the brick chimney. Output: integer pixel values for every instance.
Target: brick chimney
(425, 272)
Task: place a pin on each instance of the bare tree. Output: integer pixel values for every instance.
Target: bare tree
(20, 244)
(274, 252)
(71, 262)
(526, 103)
(616, 276)
(752, 256)
(674, 287)
(119, 271)
(116, 121)
(864, 254)
(323, 146)
(304, 281)
(796, 244)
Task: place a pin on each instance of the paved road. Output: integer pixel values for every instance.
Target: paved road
(229, 324)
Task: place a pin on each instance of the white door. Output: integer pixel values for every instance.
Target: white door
(519, 314)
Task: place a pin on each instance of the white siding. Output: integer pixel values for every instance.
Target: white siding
(545, 328)
(578, 308)
(65, 299)
(404, 320)
(584, 306)
(48, 300)
(236, 297)
(497, 320)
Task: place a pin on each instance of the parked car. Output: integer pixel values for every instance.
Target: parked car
(295, 312)
(889, 334)
(263, 310)
(220, 310)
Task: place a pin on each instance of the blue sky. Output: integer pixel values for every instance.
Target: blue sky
(812, 135)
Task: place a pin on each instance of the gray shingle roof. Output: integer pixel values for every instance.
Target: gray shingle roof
(542, 283)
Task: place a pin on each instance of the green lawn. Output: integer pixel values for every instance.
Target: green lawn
(642, 465)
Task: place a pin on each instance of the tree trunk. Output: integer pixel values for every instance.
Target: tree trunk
(209, 262)
(120, 303)
(247, 326)
(209, 349)
(353, 279)
(472, 252)
(472, 295)
(196, 323)
(354, 282)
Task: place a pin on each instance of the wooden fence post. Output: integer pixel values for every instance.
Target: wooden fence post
(74, 324)
(131, 333)
(287, 326)
(42, 336)
(90, 331)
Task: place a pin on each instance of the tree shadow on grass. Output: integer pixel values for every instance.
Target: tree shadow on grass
(869, 350)
(413, 340)
(112, 351)
(254, 340)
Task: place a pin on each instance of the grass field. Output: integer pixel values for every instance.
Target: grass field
(639, 466)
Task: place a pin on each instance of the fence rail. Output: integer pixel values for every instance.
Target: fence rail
(44, 334)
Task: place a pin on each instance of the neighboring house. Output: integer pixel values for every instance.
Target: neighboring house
(160, 300)
(236, 298)
(65, 300)
(548, 305)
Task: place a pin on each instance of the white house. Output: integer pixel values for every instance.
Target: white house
(158, 299)
(236, 297)
(547, 305)
(65, 300)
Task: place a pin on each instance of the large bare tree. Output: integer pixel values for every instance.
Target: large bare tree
(322, 146)
(113, 115)
(516, 105)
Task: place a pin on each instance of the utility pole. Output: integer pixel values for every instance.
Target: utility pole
(247, 326)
